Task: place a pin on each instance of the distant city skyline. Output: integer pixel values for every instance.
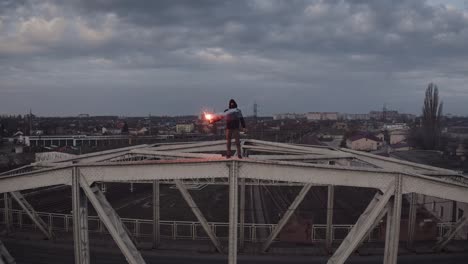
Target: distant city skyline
(128, 58)
(245, 113)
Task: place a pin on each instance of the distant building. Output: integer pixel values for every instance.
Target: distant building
(185, 128)
(316, 116)
(364, 143)
(461, 151)
(398, 126)
(341, 125)
(398, 136)
(355, 116)
(330, 116)
(83, 115)
(381, 136)
(288, 116)
(390, 114)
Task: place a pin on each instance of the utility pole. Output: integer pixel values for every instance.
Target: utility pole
(30, 121)
(384, 112)
(149, 125)
(255, 112)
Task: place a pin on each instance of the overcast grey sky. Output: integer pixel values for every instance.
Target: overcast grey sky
(181, 56)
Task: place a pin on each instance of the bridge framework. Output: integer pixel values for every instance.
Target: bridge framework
(284, 164)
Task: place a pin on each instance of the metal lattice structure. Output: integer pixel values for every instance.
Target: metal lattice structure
(264, 163)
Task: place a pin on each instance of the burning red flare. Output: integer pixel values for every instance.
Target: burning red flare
(208, 116)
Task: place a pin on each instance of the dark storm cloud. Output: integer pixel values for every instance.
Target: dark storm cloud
(203, 52)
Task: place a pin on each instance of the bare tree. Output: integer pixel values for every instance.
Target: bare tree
(431, 117)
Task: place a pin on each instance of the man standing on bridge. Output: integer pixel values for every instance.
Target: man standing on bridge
(234, 121)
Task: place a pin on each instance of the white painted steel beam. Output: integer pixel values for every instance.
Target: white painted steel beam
(43, 227)
(156, 170)
(102, 155)
(269, 149)
(388, 229)
(5, 256)
(233, 212)
(6, 213)
(113, 223)
(316, 174)
(242, 215)
(411, 220)
(173, 154)
(330, 207)
(191, 146)
(451, 234)
(302, 157)
(251, 169)
(375, 224)
(80, 221)
(156, 215)
(196, 211)
(36, 179)
(287, 215)
(216, 148)
(396, 164)
(435, 187)
(392, 235)
(19, 170)
(284, 146)
(362, 226)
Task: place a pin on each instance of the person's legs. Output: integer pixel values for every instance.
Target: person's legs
(236, 136)
(228, 142)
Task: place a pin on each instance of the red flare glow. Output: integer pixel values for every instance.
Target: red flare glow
(208, 116)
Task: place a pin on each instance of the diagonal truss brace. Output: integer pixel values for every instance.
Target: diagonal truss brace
(5, 256)
(284, 220)
(375, 224)
(362, 226)
(188, 198)
(451, 233)
(21, 200)
(113, 223)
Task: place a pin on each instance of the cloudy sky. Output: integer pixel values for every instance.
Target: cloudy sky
(177, 57)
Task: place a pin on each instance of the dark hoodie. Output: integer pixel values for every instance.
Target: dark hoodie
(235, 118)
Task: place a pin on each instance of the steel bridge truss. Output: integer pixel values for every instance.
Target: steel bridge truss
(200, 163)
